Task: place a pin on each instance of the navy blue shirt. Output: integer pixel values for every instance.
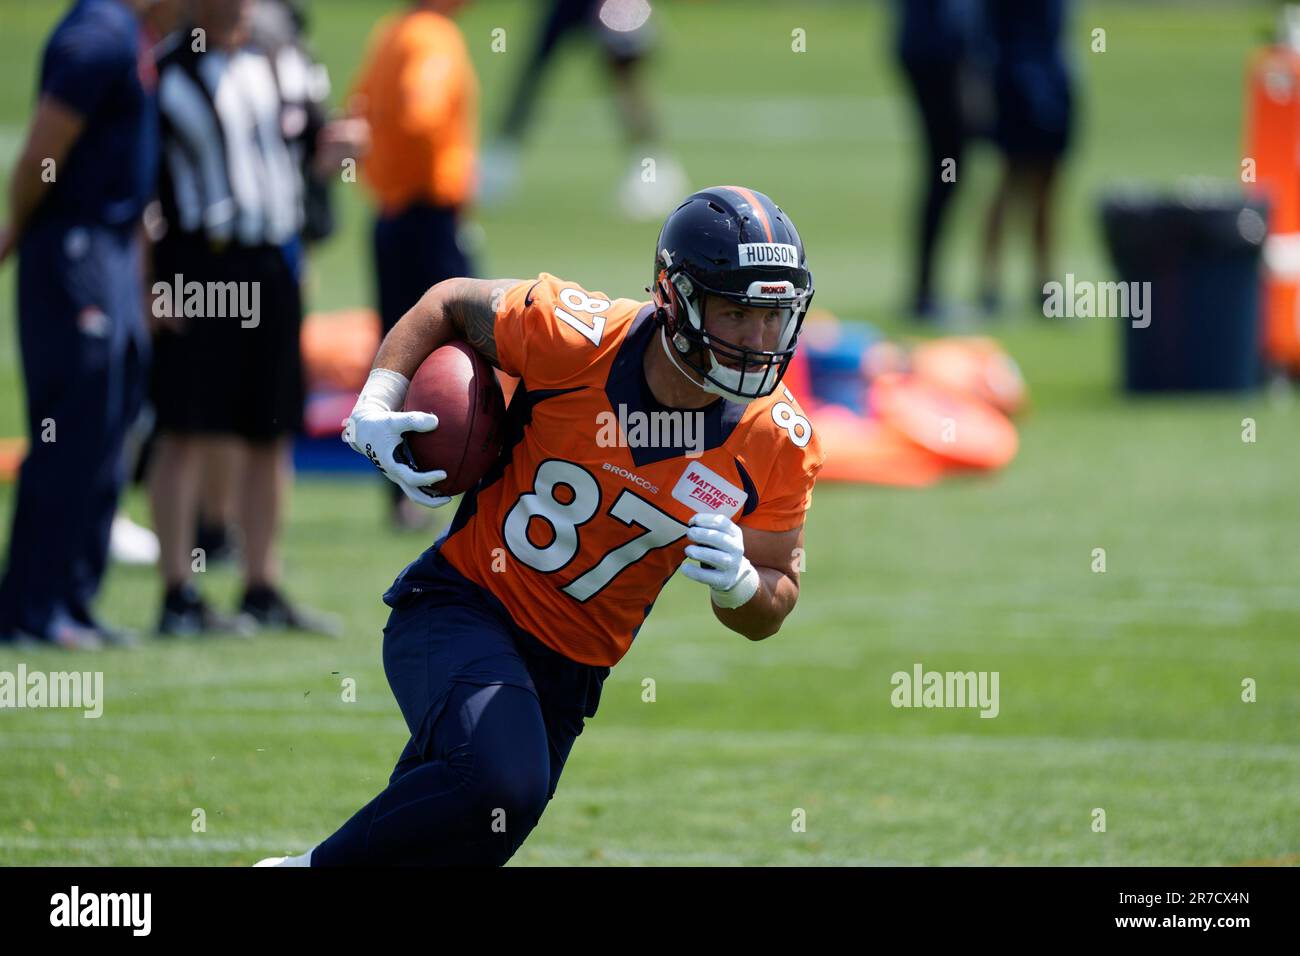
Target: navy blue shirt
(96, 62)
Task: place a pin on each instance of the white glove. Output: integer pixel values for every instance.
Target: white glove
(375, 430)
(718, 542)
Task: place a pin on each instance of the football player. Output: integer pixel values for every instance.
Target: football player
(503, 632)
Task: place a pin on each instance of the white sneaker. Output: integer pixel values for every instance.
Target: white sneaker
(129, 543)
(304, 860)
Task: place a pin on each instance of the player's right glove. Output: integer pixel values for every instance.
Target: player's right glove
(718, 545)
(375, 430)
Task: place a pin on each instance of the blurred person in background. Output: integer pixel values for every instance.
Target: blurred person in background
(933, 42)
(622, 29)
(1035, 107)
(418, 93)
(226, 384)
(78, 189)
(277, 27)
(131, 543)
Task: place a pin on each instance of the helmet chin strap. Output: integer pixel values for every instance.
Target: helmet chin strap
(706, 385)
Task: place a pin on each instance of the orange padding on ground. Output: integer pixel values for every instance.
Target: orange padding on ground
(920, 428)
(338, 348)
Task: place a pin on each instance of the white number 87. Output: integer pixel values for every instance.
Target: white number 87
(564, 519)
(579, 301)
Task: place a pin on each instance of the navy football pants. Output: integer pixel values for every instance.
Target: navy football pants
(493, 714)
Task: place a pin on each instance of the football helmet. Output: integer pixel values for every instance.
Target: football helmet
(735, 243)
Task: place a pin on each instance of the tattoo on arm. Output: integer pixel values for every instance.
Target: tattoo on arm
(472, 309)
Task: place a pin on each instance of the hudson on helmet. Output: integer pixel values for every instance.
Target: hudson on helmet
(737, 244)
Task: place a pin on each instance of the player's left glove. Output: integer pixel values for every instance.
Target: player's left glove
(719, 544)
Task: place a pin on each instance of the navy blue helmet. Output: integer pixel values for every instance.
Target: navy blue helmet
(735, 243)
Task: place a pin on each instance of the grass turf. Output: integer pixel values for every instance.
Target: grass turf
(1118, 690)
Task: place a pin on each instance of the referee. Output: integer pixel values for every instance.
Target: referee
(78, 190)
(228, 379)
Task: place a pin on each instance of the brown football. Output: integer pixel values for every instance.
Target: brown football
(460, 387)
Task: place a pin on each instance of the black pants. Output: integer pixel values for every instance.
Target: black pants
(414, 249)
(236, 367)
(935, 91)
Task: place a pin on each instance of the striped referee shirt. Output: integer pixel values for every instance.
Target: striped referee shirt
(227, 171)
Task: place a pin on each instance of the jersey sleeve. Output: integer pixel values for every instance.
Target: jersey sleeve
(84, 66)
(786, 493)
(549, 331)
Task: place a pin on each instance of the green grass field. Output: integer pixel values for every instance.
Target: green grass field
(1119, 691)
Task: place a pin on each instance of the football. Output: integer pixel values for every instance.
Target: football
(460, 387)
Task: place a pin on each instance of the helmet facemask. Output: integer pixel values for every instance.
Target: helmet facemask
(737, 373)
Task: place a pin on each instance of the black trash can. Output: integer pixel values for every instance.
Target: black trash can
(1201, 253)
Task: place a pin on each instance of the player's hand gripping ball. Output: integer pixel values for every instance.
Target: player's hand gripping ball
(375, 430)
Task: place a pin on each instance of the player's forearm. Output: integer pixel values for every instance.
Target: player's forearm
(453, 309)
(425, 327)
(761, 616)
(27, 188)
(54, 129)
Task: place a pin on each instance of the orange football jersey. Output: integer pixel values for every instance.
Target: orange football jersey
(583, 521)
